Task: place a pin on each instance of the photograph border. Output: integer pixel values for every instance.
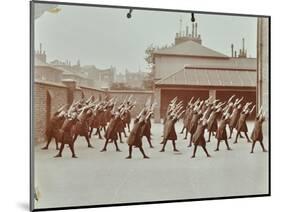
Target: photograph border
(31, 106)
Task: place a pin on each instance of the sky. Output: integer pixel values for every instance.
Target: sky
(105, 37)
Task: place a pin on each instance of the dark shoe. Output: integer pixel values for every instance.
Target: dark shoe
(193, 156)
(129, 157)
(145, 157)
(175, 150)
(208, 156)
(118, 150)
(74, 156)
(251, 152)
(152, 147)
(58, 156)
(162, 150)
(216, 150)
(229, 149)
(103, 150)
(44, 148)
(90, 146)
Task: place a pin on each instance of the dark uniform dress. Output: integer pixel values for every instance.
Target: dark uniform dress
(234, 117)
(213, 123)
(108, 113)
(221, 134)
(257, 134)
(209, 110)
(66, 135)
(52, 130)
(169, 130)
(134, 138)
(111, 133)
(198, 139)
(146, 131)
(127, 119)
(194, 121)
(193, 125)
(187, 120)
(241, 125)
(95, 122)
(81, 127)
(221, 130)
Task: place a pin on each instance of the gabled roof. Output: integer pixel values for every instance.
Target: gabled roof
(207, 77)
(190, 48)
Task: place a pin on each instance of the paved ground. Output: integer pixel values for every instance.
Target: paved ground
(103, 178)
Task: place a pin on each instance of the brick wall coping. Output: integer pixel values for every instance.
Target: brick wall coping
(130, 91)
(57, 84)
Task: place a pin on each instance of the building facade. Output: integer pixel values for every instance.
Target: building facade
(189, 68)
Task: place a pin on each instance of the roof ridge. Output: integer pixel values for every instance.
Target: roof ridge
(198, 50)
(170, 75)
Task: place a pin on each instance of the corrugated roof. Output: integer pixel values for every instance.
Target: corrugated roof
(207, 77)
(190, 48)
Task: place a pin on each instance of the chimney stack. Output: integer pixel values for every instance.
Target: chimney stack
(180, 32)
(186, 31)
(192, 29)
(235, 53)
(196, 29)
(232, 50)
(40, 49)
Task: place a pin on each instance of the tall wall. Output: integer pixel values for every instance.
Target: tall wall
(263, 66)
(48, 97)
(58, 98)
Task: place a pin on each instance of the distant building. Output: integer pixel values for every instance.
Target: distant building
(102, 78)
(72, 72)
(46, 72)
(119, 78)
(134, 79)
(189, 69)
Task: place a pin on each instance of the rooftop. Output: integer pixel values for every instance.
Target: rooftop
(190, 48)
(210, 77)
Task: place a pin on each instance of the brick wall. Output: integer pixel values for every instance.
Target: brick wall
(57, 95)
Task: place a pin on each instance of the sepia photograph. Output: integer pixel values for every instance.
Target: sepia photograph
(142, 105)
